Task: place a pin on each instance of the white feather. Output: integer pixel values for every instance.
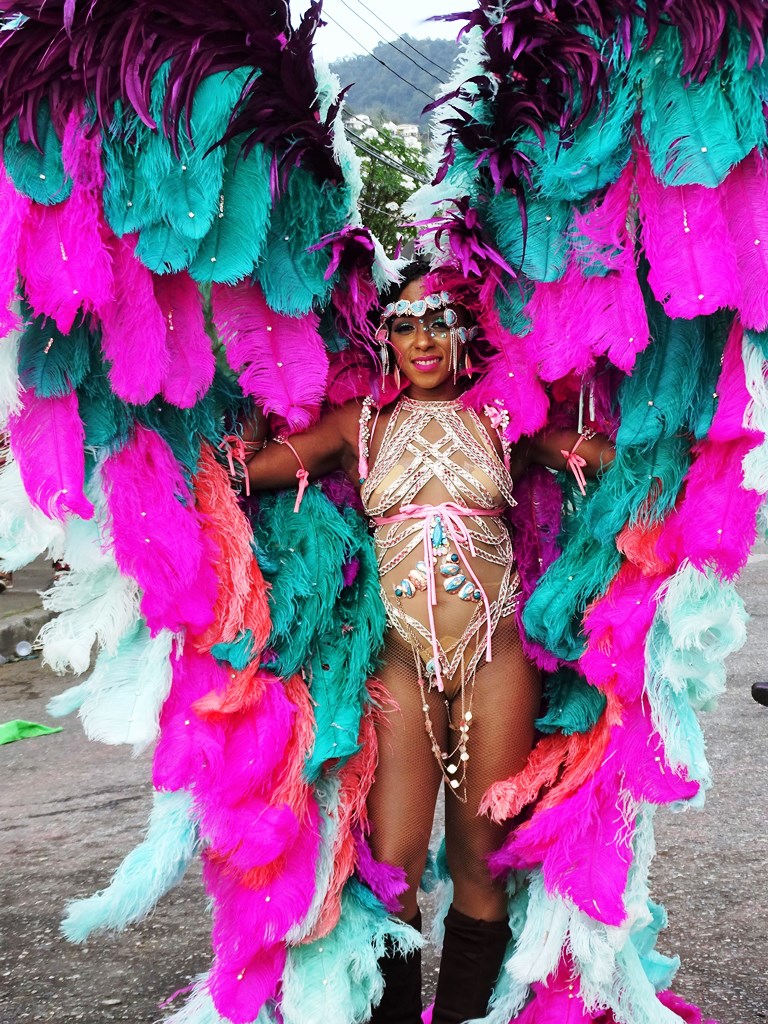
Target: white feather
(540, 944)
(94, 606)
(10, 388)
(128, 689)
(25, 532)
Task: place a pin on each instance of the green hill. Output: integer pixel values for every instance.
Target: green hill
(376, 91)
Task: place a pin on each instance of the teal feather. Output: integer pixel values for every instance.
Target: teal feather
(656, 401)
(52, 363)
(510, 303)
(164, 250)
(310, 546)
(542, 252)
(599, 150)
(553, 613)
(238, 653)
(187, 186)
(344, 659)
(291, 276)
(129, 198)
(37, 173)
(234, 243)
(697, 131)
(148, 872)
(704, 403)
(106, 419)
(760, 339)
(573, 705)
(635, 476)
(186, 429)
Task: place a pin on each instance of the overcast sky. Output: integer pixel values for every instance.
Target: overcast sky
(402, 17)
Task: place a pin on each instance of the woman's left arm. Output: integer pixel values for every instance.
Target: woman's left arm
(557, 449)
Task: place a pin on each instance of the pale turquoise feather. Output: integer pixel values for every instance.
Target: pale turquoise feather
(148, 872)
(337, 978)
(10, 397)
(127, 689)
(25, 532)
(327, 792)
(199, 1008)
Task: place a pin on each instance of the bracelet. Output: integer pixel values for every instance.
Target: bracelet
(301, 473)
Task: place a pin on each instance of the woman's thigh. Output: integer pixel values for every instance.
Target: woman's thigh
(401, 802)
(505, 704)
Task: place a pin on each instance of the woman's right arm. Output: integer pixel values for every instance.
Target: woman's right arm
(330, 444)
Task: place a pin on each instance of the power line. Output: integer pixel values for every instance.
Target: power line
(403, 39)
(389, 43)
(389, 161)
(378, 59)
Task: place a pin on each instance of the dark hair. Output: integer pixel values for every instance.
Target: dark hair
(410, 272)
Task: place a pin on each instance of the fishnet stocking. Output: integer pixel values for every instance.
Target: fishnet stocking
(402, 800)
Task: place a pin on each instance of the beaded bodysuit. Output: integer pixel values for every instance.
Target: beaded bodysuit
(436, 494)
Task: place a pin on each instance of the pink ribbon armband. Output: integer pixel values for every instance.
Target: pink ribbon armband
(576, 464)
(301, 473)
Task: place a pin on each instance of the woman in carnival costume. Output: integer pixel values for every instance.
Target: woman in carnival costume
(172, 171)
(436, 480)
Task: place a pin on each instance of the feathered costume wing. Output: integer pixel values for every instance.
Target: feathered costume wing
(180, 238)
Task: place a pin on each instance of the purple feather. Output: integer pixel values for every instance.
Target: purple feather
(386, 881)
(47, 439)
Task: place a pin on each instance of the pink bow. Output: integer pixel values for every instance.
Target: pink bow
(234, 446)
(576, 464)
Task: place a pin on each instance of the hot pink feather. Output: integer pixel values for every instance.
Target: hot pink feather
(47, 439)
(577, 319)
(191, 363)
(557, 1000)
(157, 534)
(14, 209)
(717, 518)
(281, 360)
(745, 199)
(733, 396)
(64, 257)
(188, 746)
(510, 377)
(686, 237)
(600, 233)
(134, 335)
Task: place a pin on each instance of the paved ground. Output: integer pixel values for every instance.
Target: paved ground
(71, 809)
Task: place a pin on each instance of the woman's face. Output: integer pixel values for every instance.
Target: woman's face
(422, 344)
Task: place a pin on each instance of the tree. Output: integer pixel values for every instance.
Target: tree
(387, 184)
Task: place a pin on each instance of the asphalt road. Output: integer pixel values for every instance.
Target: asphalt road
(71, 809)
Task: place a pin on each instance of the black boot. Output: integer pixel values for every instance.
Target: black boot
(760, 693)
(473, 952)
(401, 1002)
